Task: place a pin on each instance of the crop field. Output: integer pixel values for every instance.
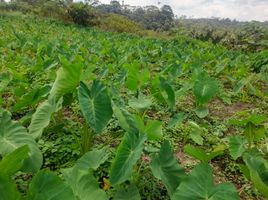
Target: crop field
(93, 115)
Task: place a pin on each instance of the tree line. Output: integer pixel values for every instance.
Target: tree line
(90, 12)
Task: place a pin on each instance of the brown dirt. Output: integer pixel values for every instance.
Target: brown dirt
(185, 161)
(219, 110)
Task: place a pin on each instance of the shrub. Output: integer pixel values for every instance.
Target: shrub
(118, 23)
(83, 14)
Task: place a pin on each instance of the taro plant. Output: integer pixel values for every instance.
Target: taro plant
(255, 167)
(96, 107)
(163, 92)
(197, 185)
(79, 182)
(253, 132)
(205, 89)
(13, 136)
(68, 77)
(247, 85)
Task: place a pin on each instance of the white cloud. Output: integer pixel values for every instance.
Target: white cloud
(243, 10)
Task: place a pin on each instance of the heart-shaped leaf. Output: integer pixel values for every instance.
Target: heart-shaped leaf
(95, 105)
(199, 185)
(237, 146)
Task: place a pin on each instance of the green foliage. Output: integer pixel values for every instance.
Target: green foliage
(41, 117)
(254, 129)
(46, 185)
(92, 159)
(150, 17)
(82, 14)
(237, 146)
(81, 179)
(127, 155)
(13, 136)
(247, 36)
(205, 89)
(140, 104)
(8, 189)
(131, 192)
(68, 77)
(125, 119)
(168, 93)
(199, 185)
(166, 168)
(120, 24)
(13, 162)
(176, 119)
(258, 168)
(152, 128)
(95, 105)
(200, 154)
(35, 96)
(147, 85)
(196, 132)
(84, 184)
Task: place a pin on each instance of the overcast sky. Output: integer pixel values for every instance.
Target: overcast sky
(243, 10)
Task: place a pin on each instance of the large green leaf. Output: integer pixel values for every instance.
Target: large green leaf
(92, 159)
(258, 168)
(166, 168)
(125, 119)
(84, 184)
(47, 186)
(205, 88)
(129, 151)
(8, 190)
(168, 93)
(132, 81)
(95, 105)
(131, 192)
(237, 146)
(13, 162)
(41, 117)
(199, 185)
(136, 78)
(81, 178)
(13, 136)
(68, 77)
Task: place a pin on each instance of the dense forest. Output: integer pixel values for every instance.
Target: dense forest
(112, 101)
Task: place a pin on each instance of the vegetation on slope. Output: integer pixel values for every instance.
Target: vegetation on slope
(119, 114)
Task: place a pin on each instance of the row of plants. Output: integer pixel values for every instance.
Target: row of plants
(135, 90)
